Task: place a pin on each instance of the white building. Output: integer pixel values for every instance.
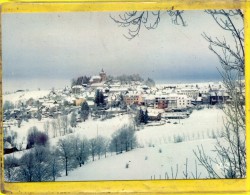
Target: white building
(190, 92)
(77, 89)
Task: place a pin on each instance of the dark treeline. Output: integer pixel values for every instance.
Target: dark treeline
(44, 163)
(124, 79)
(80, 80)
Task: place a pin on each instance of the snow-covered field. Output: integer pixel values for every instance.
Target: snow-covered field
(158, 153)
(162, 152)
(25, 95)
(145, 164)
(200, 125)
(159, 156)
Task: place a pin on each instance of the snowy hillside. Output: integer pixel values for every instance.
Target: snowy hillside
(164, 151)
(193, 128)
(145, 163)
(25, 95)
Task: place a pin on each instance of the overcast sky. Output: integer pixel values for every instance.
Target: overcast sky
(61, 46)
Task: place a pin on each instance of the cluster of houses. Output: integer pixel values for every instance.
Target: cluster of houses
(159, 97)
(123, 97)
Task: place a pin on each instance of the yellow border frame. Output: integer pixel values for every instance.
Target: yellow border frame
(222, 186)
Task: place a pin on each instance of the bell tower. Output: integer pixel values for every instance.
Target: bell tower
(103, 76)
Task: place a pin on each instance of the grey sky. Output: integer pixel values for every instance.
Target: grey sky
(67, 45)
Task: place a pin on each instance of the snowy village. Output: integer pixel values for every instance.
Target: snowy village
(112, 128)
(124, 95)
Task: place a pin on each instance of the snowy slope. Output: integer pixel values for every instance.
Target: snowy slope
(200, 125)
(19, 96)
(144, 163)
(158, 153)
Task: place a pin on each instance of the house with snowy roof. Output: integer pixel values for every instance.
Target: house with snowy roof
(218, 97)
(190, 92)
(148, 100)
(133, 97)
(77, 89)
(95, 79)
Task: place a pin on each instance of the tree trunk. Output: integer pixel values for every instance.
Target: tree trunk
(66, 166)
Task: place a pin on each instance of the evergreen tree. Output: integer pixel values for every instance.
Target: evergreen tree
(84, 111)
(139, 117)
(97, 94)
(99, 98)
(146, 117)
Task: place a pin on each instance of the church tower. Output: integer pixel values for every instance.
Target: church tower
(103, 76)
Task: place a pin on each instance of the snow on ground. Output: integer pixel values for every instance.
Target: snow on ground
(92, 128)
(22, 132)
(200, 125)
(25, 95)
(89, 129)
(156, 161)
(145, 163)
(158, 152)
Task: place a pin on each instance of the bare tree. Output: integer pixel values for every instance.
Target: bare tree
(54, 127)
(106, 146)
(27, 167)
(59, 125)
(41, 163)
(123, 140)
(10, 136)
(73, 119)
(80, 150)
(46, 127)
(10, 165)
(65, 124)
(65, 152)
(115, 143)
(93, 147)
(8, 105)
(54, 165)
(231, 149)
(100, 146)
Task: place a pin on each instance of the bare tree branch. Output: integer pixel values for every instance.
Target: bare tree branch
(135, 20)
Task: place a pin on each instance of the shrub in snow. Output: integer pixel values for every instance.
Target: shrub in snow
(36, 137)
(70, 130)
(178, 139)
